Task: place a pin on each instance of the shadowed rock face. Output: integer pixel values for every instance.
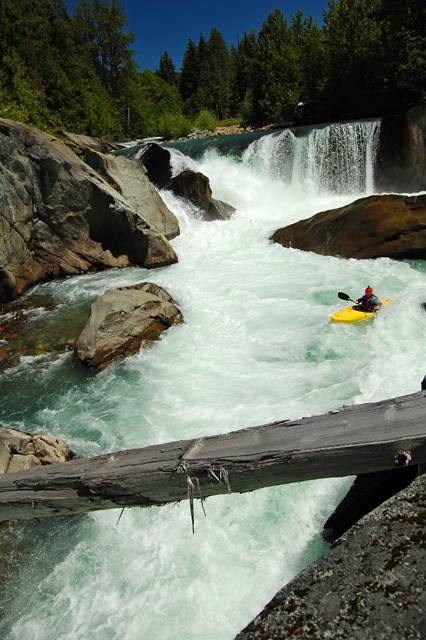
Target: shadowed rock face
(59, 217)
(121, 320)
(390, 226)
(401, 158)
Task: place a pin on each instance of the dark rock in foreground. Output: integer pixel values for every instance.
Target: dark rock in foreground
(121, 320)
(392, 226)
(370, 584)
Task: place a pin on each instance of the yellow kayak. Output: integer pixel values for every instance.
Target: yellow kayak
(352, 314)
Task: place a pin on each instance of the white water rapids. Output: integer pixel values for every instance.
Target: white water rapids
(257, 346)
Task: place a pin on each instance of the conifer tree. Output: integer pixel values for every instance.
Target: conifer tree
(167, 69)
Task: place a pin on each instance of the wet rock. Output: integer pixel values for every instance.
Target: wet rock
(370, 584)
(60, 217)
(191, 185)
(20, 450)
(392, 226)
(120, 322)
(195, 187)
(156, 160)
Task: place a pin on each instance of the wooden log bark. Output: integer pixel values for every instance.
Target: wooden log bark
(349, 441)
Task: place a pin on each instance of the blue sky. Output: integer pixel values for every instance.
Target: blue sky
(167, 25)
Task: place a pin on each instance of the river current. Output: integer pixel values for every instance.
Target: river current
(257, 346)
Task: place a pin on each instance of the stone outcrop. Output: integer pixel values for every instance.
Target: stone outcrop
(401, 156)
(129, 177)
(370, 584)
(59, 217)
(195, 187)
(20, 450)
(121, 321)
(392, 226)
(190, 185)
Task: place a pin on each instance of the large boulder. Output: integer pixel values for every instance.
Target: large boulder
(129, 177)
(370, 584)
(121, 321)
(59, 217)
(20, 450)
(392, 226)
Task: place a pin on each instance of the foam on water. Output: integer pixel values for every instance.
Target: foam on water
(257, 346)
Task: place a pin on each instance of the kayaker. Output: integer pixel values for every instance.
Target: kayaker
(369, 301)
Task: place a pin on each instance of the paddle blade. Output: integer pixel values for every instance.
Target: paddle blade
(343, 296)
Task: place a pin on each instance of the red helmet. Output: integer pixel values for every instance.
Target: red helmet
(368, 291)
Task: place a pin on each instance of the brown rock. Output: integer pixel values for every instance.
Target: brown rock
(392, 226)
(119, 322)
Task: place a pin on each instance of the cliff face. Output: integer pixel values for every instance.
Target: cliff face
(59, 217)
(401, 164)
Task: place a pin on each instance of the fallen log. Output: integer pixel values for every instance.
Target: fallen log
(349, 441)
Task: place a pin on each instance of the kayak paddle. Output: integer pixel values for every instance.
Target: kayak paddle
(344, 296)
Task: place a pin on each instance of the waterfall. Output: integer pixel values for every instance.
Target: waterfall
(335, 158)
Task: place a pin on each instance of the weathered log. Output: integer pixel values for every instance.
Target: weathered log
(349, 441)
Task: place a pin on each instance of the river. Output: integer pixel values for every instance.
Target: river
(257, 346)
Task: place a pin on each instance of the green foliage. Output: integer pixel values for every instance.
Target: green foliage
(206, 121)
(79, 72)
(174, 125)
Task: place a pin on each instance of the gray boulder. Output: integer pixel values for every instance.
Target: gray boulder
(60, 217)
(129, 177)
(195, 187)
(121, 321)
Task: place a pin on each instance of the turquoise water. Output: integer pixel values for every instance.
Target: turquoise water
(257, 346)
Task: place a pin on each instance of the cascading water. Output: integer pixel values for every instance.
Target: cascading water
(257, 346)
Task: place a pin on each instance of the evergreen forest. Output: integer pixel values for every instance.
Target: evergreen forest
(78, 72)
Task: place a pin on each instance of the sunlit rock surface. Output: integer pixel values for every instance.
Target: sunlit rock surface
(20, 450)
(121, 321)
(58, 216)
